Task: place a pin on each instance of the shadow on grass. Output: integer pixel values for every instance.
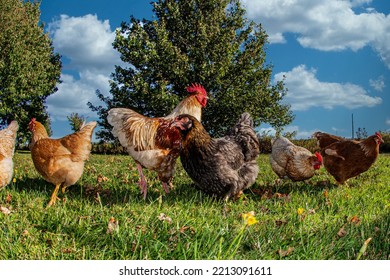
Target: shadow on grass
(287, 186)
(108, 193)
(35, 184)
(186, 193)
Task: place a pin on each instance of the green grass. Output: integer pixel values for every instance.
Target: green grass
(186, 224)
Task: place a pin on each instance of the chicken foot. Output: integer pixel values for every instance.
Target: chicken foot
(165, 186)
(54, 196)
(142, 181)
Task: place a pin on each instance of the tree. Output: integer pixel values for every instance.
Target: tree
(29, 69)
(204, 41)
(76, 121)
(361, 133)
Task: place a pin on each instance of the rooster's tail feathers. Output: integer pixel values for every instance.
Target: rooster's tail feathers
(133, 130)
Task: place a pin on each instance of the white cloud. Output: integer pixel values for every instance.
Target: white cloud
(337, 130)
(388, 121)
(74, 94)
(270, 131)
(300, 134)
(327, 25)
(86, 42)
(360, 2)
(306, 91)
(378, 84)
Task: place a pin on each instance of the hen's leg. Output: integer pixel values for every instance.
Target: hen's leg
(142, 182)
(63, 189)
(53, 197)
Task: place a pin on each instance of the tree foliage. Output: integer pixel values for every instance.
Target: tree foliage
(204, 41)
(29, 69)
(76, 121)
(361, 133)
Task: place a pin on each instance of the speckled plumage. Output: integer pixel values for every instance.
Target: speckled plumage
(291, 161)
(222, 167)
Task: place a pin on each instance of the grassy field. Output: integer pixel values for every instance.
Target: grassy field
(103, 216)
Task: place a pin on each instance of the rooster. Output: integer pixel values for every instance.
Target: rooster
(154, 143)
(291, 161)
(60, 161)
(222, 167)
(325, 139)
(7, 147)
(349, 158)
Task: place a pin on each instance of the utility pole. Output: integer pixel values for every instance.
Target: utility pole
(353, 129)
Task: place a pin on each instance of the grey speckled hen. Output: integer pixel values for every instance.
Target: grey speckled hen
(222, 167)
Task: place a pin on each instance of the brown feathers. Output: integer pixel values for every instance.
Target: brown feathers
(345, 159)
(153, 142)
(60, 161)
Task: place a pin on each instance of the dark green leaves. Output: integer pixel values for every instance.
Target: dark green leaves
(29, 69)
(208, 42)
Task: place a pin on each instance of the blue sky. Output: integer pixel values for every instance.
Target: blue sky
(334, 55)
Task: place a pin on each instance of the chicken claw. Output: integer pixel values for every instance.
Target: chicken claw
(165, 187)
(142, 181)
(54, 196)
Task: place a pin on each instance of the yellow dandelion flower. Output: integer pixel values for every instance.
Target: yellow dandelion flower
(300, 211)
(14, 180)
(251, 221)
(249, 218)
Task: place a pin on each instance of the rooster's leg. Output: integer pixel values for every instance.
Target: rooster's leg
(165, 187)
(142, 181)
(53, 197)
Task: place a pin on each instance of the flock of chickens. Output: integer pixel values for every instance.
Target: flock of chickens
(222, 167)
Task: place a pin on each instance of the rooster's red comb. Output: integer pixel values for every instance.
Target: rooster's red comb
(319, 157)
(196, 88)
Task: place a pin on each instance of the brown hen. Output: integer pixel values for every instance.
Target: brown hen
(325, 139)
(60, 161)
(349, 158)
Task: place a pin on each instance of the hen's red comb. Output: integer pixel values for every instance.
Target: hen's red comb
(319, 157)
(378, 135)
(195, 87)
(32, 120)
